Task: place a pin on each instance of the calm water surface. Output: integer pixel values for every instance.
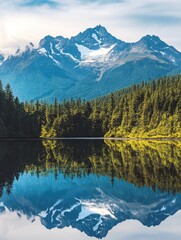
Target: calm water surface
(90, 189)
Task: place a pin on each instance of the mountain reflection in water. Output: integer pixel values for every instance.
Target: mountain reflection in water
(91, 185)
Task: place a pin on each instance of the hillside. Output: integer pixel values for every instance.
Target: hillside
(145, 110)
(148, 110)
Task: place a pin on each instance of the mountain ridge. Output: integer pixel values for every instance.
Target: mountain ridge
(90, 64)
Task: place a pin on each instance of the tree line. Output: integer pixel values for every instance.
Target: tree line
(146, 110)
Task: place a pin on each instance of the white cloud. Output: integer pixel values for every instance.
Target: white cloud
(128, 20)
(14, 228)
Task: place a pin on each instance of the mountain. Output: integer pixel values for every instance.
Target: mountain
(91, 205)
(88, 65)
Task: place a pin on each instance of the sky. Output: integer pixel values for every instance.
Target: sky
(24, 21)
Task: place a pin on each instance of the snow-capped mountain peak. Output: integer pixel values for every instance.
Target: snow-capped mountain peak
(91, 58)
(151, 43)
(94, 38)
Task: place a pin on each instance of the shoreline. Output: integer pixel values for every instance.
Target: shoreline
(20, 139)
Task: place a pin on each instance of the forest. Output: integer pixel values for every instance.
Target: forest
(15, 121)
(148, 110)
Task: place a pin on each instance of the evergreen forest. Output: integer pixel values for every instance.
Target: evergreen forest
(148, 110)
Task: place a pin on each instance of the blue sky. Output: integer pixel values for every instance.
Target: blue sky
(33, 3)
(22, 21)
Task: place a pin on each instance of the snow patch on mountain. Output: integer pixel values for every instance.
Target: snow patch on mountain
(101, 51)
(71, 209)
(96, 227)
(69, 55)
(89, 208)
(43, 51)
(96, 38)
(55, 61)
(58, 46)
(172, 59)
(163, 208)
(84, 51)
(91, 56)
(4, 58)
(51, 49)
(163, 53)
(56, 204)
(43, 214)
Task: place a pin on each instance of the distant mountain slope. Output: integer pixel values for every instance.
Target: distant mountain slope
(91, 64)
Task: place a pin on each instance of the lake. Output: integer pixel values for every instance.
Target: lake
(90, 189)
